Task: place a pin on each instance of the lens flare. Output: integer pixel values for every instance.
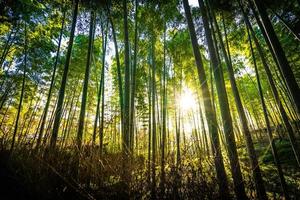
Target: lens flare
(187, 101)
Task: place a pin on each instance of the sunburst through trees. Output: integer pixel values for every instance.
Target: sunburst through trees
(149, 99)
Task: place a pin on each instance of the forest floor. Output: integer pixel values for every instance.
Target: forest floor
(289, 165)
(11, 185)
(27, 177)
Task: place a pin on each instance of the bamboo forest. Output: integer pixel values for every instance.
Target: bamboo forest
(149, 99)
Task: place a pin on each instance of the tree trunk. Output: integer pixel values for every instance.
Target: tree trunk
(102, 90)
(69, 128)
(9, 43)
(153, 88)
(204, 133)
(210, 114)
(62, 89)
(84, 92)
(177, 132)
(22, 93)
(32, 116)
(133, 81)
(6, 47)
(164, 113)
(272, 53)
(285, 68)
(68, 120)
(121, 98)
(245, 129)
(289, 27)
(126, 134)
(149, 123)
(127, 81)
(224, 105)
(275, 94)
(45, 112)
(269, 131)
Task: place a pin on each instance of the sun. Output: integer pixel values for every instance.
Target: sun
(187, 100)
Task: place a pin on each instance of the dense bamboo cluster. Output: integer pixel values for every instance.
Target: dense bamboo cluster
(172, 99)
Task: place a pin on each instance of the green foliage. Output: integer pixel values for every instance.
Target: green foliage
(43, 21)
